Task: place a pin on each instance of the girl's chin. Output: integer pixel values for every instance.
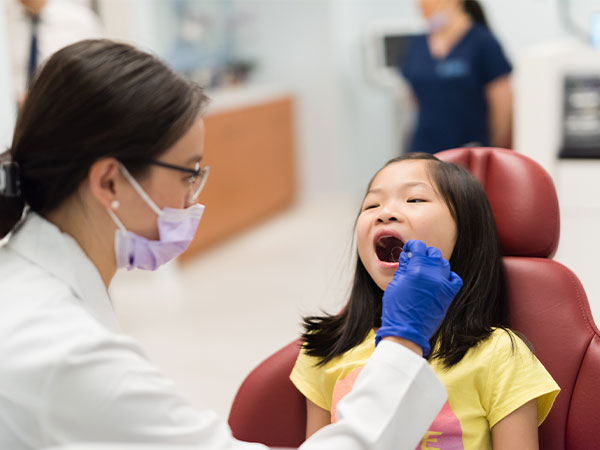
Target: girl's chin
(382, 282)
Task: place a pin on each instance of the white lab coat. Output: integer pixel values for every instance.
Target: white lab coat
(68, 375)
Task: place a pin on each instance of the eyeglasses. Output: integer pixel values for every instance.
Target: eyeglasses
(196, 180)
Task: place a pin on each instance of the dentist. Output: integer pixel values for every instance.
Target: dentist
(103, 173)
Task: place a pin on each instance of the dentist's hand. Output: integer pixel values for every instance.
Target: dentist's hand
(418, 296)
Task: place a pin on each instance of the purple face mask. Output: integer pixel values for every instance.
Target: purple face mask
(437, 21)
(176, 228)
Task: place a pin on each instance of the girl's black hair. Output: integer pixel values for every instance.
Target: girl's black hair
(91, 100)
(479, 306)
(474, 9)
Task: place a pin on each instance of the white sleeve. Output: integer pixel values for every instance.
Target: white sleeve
(107, 391)
(393, 402)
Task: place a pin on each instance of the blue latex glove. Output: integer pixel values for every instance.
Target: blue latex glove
(418, 296)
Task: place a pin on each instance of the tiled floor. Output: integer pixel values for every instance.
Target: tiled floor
(208, 323)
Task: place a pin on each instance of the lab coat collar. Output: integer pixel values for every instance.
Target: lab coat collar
(43, 244)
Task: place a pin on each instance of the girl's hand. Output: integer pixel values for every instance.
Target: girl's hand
(417, 298)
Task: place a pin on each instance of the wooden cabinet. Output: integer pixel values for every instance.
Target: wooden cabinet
(250, 152)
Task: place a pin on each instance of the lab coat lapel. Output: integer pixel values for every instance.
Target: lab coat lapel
(42, 243)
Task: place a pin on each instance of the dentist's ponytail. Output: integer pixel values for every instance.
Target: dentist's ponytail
(474, 9)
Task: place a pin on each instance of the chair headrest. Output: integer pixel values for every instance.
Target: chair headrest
(522, 197)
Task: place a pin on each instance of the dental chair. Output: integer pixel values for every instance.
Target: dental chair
(547, 304)
(267, 407)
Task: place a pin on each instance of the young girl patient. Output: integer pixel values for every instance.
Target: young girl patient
(498, 391)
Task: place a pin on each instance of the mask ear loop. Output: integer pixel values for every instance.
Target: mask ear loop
(115, 219)
(139, 189)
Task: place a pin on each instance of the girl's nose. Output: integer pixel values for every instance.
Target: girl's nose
(386, 215)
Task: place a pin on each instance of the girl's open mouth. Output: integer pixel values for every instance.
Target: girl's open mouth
(388, 248)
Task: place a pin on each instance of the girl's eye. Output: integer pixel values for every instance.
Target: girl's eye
(369, 207)
(415, 200)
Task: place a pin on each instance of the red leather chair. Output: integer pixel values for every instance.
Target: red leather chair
(267, 407)
(547, 304)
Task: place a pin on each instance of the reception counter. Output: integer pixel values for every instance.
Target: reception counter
(249, 147)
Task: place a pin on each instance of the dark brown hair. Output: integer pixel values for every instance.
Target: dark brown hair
(474, 9)
(91, 100)
(479, 306)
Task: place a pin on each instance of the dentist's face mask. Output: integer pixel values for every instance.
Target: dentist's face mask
(437, 21)
(176, 228)
(435, 13)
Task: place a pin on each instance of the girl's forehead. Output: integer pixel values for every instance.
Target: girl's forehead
(406, 171)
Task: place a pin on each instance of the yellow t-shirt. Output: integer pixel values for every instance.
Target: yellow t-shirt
(492, 380)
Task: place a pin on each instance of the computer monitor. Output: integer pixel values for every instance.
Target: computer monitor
(581, 117)
(384, 44)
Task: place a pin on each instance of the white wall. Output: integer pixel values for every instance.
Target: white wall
(294, 41)
(519, 24)
(370, 113)
(7, 100)
(132, 21)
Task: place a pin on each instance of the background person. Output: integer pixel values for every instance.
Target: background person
(38, 28)
(459, 78)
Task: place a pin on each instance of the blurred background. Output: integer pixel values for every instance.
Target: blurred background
(306, 105)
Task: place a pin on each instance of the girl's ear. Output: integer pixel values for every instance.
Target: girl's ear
(105, 181)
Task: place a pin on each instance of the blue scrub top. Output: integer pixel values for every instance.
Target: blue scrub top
(451, 90)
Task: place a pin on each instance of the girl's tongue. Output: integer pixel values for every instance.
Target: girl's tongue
(388, 249)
